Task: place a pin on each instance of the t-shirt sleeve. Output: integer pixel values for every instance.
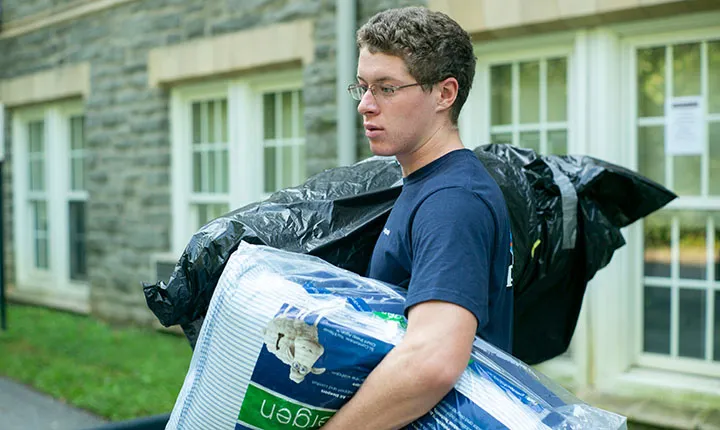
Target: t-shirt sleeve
(453, 237)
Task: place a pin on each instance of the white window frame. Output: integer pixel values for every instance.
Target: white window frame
(52, 286)
(616, 368)
(245, 138)
(659, 361)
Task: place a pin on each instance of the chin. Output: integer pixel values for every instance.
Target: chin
(378, 148)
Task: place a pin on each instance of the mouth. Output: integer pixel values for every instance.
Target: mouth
(372, 131)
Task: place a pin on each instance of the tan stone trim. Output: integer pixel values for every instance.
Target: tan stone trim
(55, 84)
(57, 15)
(245, 50)
(496, 16)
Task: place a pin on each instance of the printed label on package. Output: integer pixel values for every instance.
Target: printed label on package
(309, 366)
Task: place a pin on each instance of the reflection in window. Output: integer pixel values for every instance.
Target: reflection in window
(691, 335)
(656, 317)
(686, 176)
(651, 153)
(501, 88)
(693, 248)
(657, 245)
(686, 70)
(714, 77)
(529, 92)
(557, 90)
(714, 154)
(651, 82)
(78, 249)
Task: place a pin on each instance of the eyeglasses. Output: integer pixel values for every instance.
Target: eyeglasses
(357, 91)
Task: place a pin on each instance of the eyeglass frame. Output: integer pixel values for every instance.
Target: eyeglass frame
(373, 87)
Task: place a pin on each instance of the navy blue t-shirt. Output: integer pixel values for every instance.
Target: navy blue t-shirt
(448, 238)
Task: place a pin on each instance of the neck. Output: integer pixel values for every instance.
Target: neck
(442, 141)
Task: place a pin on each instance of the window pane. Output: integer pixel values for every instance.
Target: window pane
(657, 244)
(686, 175)
(196, 123)
(303, 163)
(714, 141)
(202, 215)
(501, 138)
(716, 221)
(501, 89)
(693, 248)
(77, 132)
(36, 136)
(716, 353)
(224, 172)
(301, 115)
(651, 82)
(77, 165)
(219, 210)
(651, 153)
(269, 116)
(656, 320)
(78, 254)
(531, 140)
(223, 121)
(691, 336)
(41, 235)
(270, 169)
(557, 90)
(208, 212)
(197, 172)
(210, 172)
(714, 77)
(557, 142)
(287, 115)
(530, 92)
(37, 174)
(211, 124)
(288, 166)
(686, 70)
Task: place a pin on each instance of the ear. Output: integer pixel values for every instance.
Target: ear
(447, 93)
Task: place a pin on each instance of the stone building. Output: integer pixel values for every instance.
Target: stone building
(129, 123)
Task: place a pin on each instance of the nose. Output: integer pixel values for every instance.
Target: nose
(368, 104)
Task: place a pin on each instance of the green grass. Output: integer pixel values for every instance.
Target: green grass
(117, 373)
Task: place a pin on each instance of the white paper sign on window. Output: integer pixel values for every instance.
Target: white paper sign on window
(684, 133)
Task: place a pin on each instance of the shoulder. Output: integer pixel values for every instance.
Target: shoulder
(455, 203)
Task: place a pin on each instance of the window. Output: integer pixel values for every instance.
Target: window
(283, 140)
(50, 185)
(529, 104)
(210, 163)
(234, 143)
(77, 196)
(680, 324)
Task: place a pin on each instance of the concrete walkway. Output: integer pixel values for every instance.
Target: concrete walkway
(23, 408)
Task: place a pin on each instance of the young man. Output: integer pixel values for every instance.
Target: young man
(447, 239)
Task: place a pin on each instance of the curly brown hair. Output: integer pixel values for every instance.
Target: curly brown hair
(433, 46)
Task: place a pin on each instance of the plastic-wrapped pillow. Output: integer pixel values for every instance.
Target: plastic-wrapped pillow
(289, 338)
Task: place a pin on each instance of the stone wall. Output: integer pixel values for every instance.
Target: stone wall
(127, 123)
(13, 10)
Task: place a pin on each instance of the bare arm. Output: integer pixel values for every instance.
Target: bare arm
(416, 374)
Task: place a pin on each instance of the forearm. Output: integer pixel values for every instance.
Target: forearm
(396, 393)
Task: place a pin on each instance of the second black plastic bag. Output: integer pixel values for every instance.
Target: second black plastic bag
(566, 213)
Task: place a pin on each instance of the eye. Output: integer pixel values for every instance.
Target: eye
(387, 89)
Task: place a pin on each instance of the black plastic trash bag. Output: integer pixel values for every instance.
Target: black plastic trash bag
(566, 217)
(336, 215)
(565, 212)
